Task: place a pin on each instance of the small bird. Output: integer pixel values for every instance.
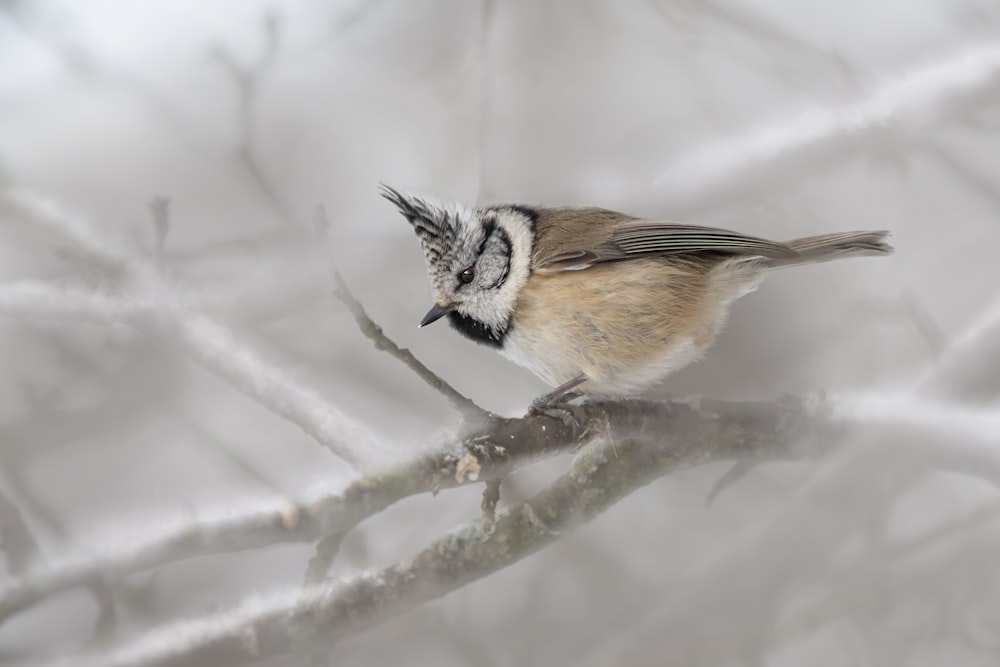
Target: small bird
(590, 297)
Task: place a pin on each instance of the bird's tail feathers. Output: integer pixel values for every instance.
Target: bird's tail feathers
(834, 246)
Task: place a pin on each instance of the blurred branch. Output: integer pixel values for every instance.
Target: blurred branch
(36, 299)
(209, 343)
(216, 348)
(899, 444)
(602, 473)
(743, 161)
(15, 538)
(700, 431)
(159, 209)
(848, 580)
(21, 549)
(965, 370)
(247, 80)
(90, 67)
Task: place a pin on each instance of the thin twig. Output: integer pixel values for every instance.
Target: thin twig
(491, 496)
(321, 562)
(106, 624)
(22, 550)
(159, 210)
(466, 407)
(374, 332)
(15, 537)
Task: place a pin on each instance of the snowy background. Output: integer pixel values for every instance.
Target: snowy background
(780, 119)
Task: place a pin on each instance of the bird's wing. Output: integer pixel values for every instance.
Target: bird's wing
(574, 239)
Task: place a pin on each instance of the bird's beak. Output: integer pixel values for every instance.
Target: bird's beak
(436, 313)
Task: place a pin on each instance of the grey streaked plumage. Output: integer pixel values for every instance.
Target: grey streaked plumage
(620, 300)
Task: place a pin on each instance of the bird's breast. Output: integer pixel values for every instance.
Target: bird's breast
(624, 325)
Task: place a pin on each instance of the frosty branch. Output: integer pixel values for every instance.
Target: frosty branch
(701, 431)
(610, 466)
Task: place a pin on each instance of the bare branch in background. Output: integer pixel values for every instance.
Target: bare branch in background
(159, 208)
(741, 162)
(106, 625)
(964, 371)
(812, 526)
(36, 299)
(90, 66)
(16, 541)
(21, 549)
(209, 343)
(248, 80)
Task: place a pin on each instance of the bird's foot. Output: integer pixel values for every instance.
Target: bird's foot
(555, 403)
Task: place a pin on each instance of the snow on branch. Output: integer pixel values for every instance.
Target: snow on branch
(925, 90)
(701, 430)
(608, 468)
(963, 373)
(209, 343)
(624, 451)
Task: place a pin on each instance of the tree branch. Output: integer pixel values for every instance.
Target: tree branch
(701, 431)
(374, 333)
(738, 162)
(15, 537)
(601, 474)
(209, 343)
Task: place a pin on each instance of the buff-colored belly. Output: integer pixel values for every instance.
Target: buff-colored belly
(624, 325)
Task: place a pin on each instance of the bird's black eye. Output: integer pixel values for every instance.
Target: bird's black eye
(466, 275)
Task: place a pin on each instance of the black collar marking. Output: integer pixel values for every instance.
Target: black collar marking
(477, 331)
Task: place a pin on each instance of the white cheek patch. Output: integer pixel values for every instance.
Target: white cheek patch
(495, 306)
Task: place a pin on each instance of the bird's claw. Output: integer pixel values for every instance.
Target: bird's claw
(555, 404)
(554, 410)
